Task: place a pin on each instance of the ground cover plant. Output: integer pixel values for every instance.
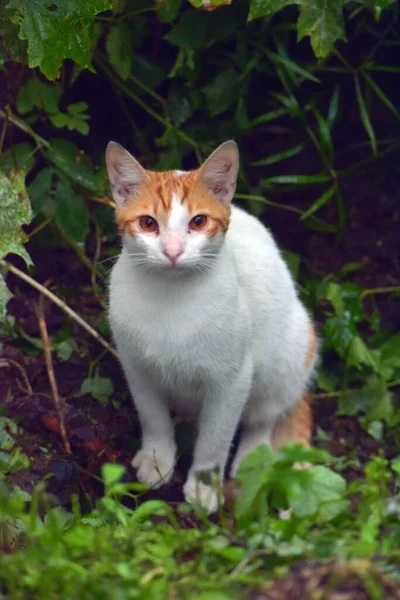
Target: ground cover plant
(310, 91)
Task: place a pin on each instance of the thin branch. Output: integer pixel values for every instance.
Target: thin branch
(381, 290)
(351, 391)
(9, 361)
(60, 303)
(51, 374)
(7, 116)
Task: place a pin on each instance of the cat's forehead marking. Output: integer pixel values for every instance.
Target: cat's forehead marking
(179, 213)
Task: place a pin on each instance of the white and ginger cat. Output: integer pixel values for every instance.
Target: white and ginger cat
(206, 319)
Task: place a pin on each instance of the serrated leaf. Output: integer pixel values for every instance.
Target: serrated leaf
(323, 21)
(119, 48)
(358, 354)
(15, 211)
(324, 493)
(57, 30)
(71, 214)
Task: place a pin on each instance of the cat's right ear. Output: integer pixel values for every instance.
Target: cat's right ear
(124, 172)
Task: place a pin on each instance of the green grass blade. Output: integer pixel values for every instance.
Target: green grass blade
(275, 158)
(325, 136)
(381, 95)
(297, 179)
(320, 202)
(291, 66)
(333, 107)
(364, 114)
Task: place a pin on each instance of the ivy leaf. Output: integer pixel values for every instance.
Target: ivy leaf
(119, 49)
(56, 30)
(71, 214)
(323, 21)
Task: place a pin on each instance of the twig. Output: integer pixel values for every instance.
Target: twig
(51, 374)
(381, 290)
(4, 361)
(60, 303)
(7, 116)
(351, 391)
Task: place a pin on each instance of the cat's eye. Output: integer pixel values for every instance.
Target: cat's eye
(148, 224)
(198, 222)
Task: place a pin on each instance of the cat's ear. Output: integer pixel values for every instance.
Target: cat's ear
(124, 172)
(219, 172)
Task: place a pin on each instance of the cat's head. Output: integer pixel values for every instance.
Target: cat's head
(173, 220)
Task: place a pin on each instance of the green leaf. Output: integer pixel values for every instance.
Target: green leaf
(75, 120)
(5, 296)
(66, 157)
(15, 211)
(324, 493)
(119, 48)
(358, 354)
(374, 400)
(297, 179)
(99, 387)
(222, 91)
(112, 473)
(38, 94)
(168, 10)
(275, 158)
(266, 8)
(322, 20)
(319, 203)
(381, 94)
(253, 475)
(39, 189)
(364, 114)
(19, 157)
(71, 214)
(293, 261)
(56, 30)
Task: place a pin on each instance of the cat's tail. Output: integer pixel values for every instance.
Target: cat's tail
(296, 426)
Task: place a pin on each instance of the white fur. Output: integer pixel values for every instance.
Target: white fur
(221, 337)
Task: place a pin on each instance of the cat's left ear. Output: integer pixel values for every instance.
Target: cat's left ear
(219, 172)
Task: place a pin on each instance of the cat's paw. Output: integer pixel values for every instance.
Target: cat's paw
(197, 492)
(153, 468)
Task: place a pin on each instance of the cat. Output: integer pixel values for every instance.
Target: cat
(206, 320)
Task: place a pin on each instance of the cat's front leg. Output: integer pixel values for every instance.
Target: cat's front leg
(155, 460)
(220, 415)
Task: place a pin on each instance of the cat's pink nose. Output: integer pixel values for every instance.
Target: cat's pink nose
(173, 248)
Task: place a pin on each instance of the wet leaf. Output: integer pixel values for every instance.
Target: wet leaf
(57, 30)
(15, 211)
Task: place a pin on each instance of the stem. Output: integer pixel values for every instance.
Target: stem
(339, 394)
(60, 303)
(41, 226)
(50, 372)
(269, 202)
(9, 361)
(8, 116)
(380, 290)
(128, 92)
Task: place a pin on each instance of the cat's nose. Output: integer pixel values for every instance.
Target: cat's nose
(173, 254)
(172, 247)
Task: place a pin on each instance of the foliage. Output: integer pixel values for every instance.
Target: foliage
(144, 551)
(288, 80)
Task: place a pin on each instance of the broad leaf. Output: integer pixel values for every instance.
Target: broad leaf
(71, 214)
(119, 48)
(99, 387)
(56, 30)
